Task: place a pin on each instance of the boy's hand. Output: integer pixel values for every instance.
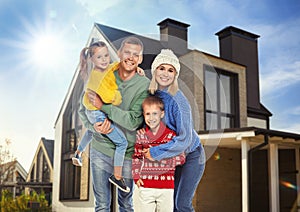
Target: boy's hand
(139, 183)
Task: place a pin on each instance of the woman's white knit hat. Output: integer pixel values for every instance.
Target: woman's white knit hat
(166, 56)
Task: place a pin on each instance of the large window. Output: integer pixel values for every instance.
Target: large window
(70, 175)
(221, 99)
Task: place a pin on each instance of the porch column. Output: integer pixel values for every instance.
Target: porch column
(274, 178)
(245, 191)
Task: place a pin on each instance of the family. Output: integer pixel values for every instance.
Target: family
(139, 130)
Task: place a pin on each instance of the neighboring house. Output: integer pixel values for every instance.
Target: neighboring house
(249, 166)
(40, 175)
(12, 173)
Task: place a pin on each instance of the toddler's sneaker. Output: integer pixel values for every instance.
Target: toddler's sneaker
(119, 183)
(77, 161)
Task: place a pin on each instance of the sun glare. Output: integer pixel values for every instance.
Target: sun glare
(42, 45)
(46, 51)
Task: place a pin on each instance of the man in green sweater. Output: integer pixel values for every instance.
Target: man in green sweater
(128, 116)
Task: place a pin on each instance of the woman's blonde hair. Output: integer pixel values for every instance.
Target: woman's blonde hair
(166, 56)
(172, 89)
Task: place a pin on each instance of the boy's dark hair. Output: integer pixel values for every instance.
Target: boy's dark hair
(154, 100)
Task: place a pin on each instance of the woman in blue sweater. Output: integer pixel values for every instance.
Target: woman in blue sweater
(178, 116)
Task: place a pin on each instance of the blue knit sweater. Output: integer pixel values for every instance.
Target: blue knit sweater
(178, 117)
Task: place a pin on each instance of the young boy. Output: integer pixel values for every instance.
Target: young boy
(155, 179)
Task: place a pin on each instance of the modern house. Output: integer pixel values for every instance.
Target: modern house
(40, 175)
(250, 167)
(12, 176)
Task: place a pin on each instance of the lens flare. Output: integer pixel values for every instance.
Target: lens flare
(217, 156)
(288, 184)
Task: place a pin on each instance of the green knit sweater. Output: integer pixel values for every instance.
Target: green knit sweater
(127, 116)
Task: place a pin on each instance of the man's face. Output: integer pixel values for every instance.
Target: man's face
(130, 56)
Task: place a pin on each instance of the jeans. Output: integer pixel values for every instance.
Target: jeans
(187, 178)
(116, 136)
(102, 168)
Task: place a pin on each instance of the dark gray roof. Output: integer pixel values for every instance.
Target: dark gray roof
(49, 145)
(152, 47)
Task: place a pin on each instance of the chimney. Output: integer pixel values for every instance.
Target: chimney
(173, 35)
(240, 46)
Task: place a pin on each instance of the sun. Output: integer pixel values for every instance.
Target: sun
(40, 47)
(46, 50)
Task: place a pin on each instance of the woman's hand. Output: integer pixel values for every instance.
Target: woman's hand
(140, 71)
(147, 154)
(94, 99)
(103, 127)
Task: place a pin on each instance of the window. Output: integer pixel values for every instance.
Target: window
(39, 174)
(32, 178)
(46, 171)
(70, 175)
(221, 99)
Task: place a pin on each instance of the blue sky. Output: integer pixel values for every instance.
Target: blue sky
(40, 43)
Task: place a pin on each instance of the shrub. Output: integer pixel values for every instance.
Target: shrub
(32, 202)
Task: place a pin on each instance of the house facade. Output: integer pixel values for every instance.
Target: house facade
(40, 175)
(249, 166)
(12, 176)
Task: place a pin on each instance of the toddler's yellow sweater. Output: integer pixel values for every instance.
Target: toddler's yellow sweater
(104, 84)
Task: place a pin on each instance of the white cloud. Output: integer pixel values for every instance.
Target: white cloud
(95, 7)
(279, 77)
(279, 62)
(293, 128)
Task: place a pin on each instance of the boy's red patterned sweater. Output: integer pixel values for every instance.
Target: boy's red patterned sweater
(155, 174)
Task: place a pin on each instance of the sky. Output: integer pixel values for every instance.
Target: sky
(40, 42)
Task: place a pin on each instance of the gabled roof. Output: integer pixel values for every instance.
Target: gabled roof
(115, 36)
(152, 46)
(17, 167)
(49, 146)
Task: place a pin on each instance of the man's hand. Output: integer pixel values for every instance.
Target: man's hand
(94, 99)
(103, 127)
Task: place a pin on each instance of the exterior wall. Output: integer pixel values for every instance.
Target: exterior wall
(191, 76)
(260, 123)
(220, 187)
(58, 205)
